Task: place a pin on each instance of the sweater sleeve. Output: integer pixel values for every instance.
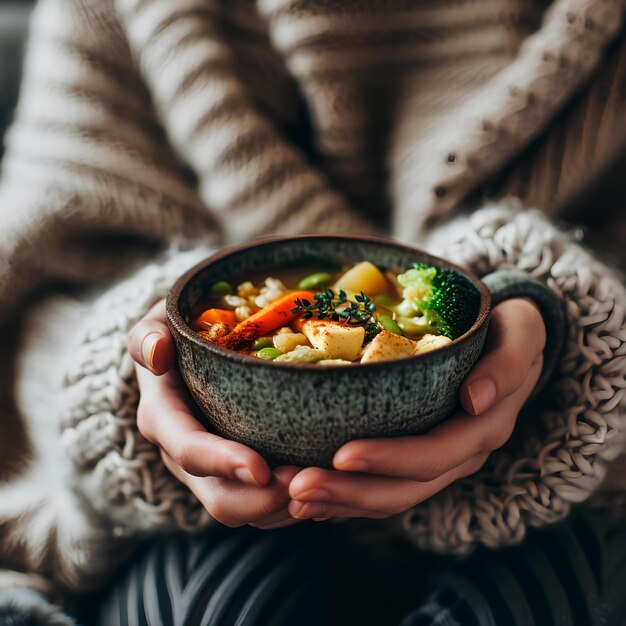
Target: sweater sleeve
(564, 440)
(120, 472)
(226, 101)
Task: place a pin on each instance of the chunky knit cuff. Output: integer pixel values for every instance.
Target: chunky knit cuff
(119, 471)
(559, 451)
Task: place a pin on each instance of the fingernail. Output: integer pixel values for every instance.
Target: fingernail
(148, 347)
(309, 510)
(320, 495)
(244, 475)
(352, 465)
(482, 393)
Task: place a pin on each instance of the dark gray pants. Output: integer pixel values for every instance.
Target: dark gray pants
(318, 575)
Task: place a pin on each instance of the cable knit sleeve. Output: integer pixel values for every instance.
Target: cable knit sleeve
(559, 451)
(120, 472)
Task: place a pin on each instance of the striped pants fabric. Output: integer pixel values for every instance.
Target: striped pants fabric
(573, 574)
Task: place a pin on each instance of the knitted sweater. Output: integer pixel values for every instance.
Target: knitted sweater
(150, 132)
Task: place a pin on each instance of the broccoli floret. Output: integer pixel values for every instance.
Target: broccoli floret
(437, 300)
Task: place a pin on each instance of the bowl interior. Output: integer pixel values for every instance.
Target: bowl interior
(267, 255)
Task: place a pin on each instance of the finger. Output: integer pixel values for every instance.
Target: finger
(516, 338)
(360, 495)
(164, 418)
(150, 342)
(425, 457)
(235, 504)
(319, 511)
(282, 518)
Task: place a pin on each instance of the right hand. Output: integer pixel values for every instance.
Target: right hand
(233, 482)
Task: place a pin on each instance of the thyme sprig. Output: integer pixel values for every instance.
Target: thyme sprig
(337, 307)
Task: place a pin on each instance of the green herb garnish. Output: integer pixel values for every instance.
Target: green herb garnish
(337, 307)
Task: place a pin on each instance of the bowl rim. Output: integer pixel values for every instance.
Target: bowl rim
(176, 322)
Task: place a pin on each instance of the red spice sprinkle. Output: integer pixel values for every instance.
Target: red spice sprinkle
(239, 339)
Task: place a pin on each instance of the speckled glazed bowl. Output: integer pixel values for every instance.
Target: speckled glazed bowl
(301, 414)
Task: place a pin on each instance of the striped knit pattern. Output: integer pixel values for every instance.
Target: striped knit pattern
(211, 121)
(410, 105)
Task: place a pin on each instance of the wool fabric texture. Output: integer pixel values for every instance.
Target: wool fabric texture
(198, 123)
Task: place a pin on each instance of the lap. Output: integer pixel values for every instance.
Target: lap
(331, 574)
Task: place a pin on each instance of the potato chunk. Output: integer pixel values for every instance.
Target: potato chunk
(365, 277)
(286, 342)
(335, 340)
(386, 346)
(430, 342)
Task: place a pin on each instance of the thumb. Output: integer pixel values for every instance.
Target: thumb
(150, 342)
(515, 342)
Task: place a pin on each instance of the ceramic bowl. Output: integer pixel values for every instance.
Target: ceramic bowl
(301, 414)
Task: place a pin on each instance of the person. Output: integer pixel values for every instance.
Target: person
(149, 133)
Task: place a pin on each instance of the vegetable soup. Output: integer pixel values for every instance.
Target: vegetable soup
(333, 314)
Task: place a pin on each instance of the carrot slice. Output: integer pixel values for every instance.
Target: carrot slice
(214, 316)
(278, 313)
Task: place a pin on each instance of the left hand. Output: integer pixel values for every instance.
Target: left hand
(377, 478)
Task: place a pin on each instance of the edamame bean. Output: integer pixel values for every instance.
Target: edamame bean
(269, 354)
(221, 288)
(263, 342)
(390, 324)
(315, 281)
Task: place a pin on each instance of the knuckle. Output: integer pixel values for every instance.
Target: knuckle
(531, 321)
(395, 509)
(432, 468)
(511, 369)
(271, 504)
(497, 437)
(476, 464)
(220, 514)
(183, 455)
(327, 511)
(405, 502)
(167, 461)
(144, 422)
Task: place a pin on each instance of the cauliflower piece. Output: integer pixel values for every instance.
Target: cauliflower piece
(274, 289)
(243, 312)
(247, 289)
(301, 354)
(214, 332)
(286, 342)
(334, 362)
(386, 346)
(235, 301)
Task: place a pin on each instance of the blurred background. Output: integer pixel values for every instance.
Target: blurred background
(13, 31)
(607, 192)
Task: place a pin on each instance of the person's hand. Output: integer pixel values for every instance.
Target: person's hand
(377, 478)
(232, 481)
